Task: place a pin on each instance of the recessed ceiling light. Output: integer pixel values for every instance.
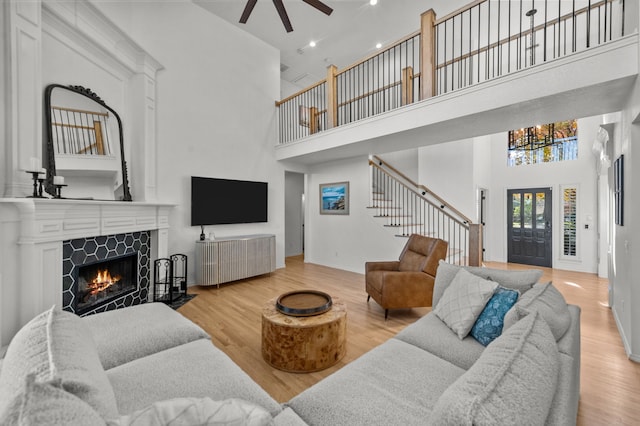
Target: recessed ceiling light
(373, 2)
(312, 43)
(378, 45)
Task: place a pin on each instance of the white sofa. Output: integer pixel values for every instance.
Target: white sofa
(147, 364)
(426, 374)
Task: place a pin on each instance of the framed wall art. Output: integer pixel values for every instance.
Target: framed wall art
(304, 116)
(334, 198)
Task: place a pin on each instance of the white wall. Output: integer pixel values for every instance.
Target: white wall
(447, 169)
(215, 111)
(346, 241)
(4, 104)
(406, 161)
(625, 270)
(287, 89)
(482, 161)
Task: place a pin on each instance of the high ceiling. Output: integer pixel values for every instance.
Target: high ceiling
(349, 34)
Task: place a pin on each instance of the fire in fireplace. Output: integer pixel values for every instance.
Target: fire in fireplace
(102, 281)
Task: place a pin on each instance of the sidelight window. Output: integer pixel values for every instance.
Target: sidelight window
(569, 221)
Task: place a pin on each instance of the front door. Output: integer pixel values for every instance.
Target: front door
(529, 226)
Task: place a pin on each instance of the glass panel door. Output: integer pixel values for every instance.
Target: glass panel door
(529, 230)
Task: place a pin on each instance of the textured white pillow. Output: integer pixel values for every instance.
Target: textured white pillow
(197, 411)
(515, 280)
(548, 302)
(463, 301)
(57, 345)
(512, 383)
(47, 403)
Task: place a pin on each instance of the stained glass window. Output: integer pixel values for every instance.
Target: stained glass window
(543, 143)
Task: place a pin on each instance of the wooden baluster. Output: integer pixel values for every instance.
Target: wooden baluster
(475, 244)
(332, 97)
(99, 142)
(313, 120)
(407, 86)
(428, 51)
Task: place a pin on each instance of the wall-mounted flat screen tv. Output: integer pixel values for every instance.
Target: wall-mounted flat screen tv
(225, 201)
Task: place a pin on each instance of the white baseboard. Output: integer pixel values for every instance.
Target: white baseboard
(627, 347)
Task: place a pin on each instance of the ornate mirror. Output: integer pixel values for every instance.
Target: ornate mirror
(84, 145)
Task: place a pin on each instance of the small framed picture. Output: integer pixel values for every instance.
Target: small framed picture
(334, 198)
(304, 116)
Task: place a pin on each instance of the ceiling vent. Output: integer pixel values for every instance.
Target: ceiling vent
(300, 78)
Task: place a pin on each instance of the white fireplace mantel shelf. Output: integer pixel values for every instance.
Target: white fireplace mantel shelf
(32, 232)
(44, 220)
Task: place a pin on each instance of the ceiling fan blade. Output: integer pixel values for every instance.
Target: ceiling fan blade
(320, 6)
(247, 11)
(283, 15)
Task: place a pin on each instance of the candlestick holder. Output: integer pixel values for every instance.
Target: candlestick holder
(37, 184)
(59, 190)
(40, 187)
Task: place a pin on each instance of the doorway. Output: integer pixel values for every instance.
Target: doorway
(294, 213)
(529, 226)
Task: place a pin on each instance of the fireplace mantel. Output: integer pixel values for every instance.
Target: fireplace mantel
(32, 232)
(44, 220)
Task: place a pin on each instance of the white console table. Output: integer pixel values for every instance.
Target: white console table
(234, 258)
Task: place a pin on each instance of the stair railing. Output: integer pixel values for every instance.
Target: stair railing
(411, 208)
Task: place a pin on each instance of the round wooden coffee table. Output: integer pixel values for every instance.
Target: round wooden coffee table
(302, 344)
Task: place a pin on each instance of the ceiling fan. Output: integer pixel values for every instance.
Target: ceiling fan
(282, 12)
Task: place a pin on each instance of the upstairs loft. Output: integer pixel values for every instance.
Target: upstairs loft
(484, 74)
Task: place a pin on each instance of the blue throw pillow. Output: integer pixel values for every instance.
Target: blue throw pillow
(489, 324)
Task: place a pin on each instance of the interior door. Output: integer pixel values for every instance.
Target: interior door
(529, 226)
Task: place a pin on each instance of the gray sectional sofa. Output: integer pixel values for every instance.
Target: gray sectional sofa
(148, 364)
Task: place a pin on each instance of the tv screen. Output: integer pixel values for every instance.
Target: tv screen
(224, 201)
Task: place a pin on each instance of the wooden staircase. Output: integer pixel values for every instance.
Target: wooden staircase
(409, 208)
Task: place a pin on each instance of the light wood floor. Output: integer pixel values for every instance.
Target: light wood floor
(610, 383)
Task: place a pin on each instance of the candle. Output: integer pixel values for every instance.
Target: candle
(58, 180)
(34, 164)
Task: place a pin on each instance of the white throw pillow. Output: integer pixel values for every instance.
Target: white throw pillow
(57, 346)
(546, 300)
(515, 280)
(47, 403)
(197, 411)
(463, 301)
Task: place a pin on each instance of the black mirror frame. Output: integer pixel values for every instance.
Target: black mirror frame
(51, 160)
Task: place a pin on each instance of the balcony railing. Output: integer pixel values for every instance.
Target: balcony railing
(487, 39)
(482, 41)
(304, 113)
(380, 83)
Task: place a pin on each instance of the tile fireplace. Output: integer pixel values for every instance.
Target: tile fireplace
(105, 272)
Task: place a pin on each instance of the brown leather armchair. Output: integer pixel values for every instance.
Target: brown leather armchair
(407, 282)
